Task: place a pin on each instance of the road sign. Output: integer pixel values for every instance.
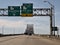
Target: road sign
(13, 10)
(27, 10)
(55, 28)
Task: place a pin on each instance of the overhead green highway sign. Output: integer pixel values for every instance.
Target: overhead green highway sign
(13, 10)
(27, 10)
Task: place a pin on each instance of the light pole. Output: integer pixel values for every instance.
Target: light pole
(52, 17)
(3, 29)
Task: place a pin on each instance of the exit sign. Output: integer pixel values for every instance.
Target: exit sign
(27, 10)
(13, 10)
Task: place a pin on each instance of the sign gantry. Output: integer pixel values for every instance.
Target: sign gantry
(27, 10)
(36, 12)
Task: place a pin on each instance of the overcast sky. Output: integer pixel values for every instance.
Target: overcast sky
(18, 24)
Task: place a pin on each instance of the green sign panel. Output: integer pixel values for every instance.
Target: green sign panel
(13, 10)
(27, 9)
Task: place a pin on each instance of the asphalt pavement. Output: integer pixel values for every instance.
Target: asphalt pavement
(27, 40)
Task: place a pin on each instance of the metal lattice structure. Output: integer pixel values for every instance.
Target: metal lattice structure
(36, 12)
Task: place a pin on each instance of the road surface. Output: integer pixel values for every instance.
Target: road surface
(26, 40)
